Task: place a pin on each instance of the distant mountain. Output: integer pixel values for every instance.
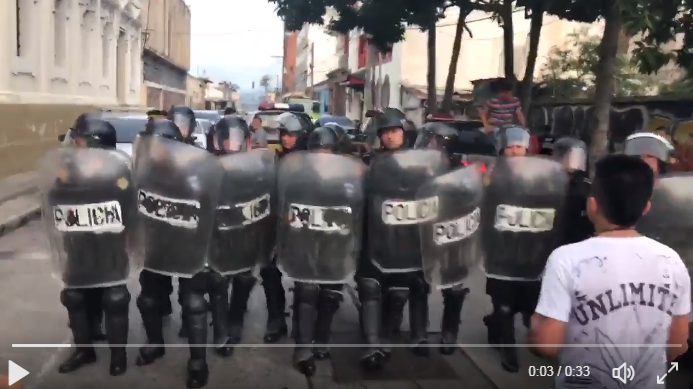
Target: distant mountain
(243, 76)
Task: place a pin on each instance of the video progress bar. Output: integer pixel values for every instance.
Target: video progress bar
(291, 345)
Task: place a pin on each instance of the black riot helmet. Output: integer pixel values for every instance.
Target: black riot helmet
(439, 136)
(292, 133)
(184, 118)
(512, 135)
(231, 135)
(345, 145)
(648, 145)
(163, 128)
(389, 119)
(96, 132)
(324, 138)
(571, 153)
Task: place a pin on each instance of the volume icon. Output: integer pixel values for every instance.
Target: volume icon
(623, 373)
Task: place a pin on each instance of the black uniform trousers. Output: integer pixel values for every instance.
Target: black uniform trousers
(314, 308)
(241, 286)
(83, 306)
(510, 297)
(276, 302)
(383, 297)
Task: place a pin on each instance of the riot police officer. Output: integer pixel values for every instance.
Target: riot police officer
(178, 192)
(184, 118)
(93, 214)
(572, 154)
(654, 149)
(312, 317)
(388, 130)
(516, 253)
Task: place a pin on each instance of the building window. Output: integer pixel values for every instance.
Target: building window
(87, 29)
(135, 58)
(23, 17)
(170, 35)
(106, 49)
(59, 32)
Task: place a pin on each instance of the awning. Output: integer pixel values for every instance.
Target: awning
(355, 80)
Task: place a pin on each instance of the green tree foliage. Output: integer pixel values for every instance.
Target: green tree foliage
(569, 71)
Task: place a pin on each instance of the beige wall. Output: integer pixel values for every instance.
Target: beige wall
(168, 25)
(481, 56)
(196, 91)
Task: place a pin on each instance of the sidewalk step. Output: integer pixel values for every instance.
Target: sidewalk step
(16, 212)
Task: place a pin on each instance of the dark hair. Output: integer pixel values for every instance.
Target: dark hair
(622, 186)
(229, 111)
(501, 85)
(257, 116)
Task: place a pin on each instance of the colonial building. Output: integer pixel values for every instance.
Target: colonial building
(70, 51)
(166, 56)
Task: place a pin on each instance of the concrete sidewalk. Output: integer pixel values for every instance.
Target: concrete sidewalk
(19, 201)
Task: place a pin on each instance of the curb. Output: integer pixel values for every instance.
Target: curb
(15, 222)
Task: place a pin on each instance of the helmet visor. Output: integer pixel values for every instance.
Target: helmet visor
(183, 123)
(648, 146)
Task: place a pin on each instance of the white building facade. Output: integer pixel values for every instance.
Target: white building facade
(315, 56)
(71, 52)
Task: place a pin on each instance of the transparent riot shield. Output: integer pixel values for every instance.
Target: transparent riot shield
(321, 201)
(178, 193)
(451, 242)
(522, 216)
(245, 230)
(395, 212)
(670, 219)
(88, 202)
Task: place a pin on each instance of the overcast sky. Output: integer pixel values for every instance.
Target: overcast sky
(234, 40)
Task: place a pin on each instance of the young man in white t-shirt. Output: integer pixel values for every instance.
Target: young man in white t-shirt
(618, 297)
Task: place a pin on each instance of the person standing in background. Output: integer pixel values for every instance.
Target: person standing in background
(503, 108)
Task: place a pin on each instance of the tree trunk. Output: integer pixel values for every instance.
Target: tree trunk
(536, 23)
(432, 99)
(454, 58)
(604, 84)
(508, 40)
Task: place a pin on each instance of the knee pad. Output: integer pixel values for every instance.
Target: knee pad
(218, 284)
(194, 304)
(306, 293)
(504, 310)
(398, 296)
(369, 289)
(455, 294)
(244, 281)
(418, 284)
(148, 303)
(270, 273)
(116, 299)
(73, 298)
(330, 299)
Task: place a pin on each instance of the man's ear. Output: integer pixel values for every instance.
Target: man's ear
(647, 208)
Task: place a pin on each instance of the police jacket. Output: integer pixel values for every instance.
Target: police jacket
(578, 225)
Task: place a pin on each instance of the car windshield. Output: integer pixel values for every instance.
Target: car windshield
(341, 120)
(127, 129)
(206, 125)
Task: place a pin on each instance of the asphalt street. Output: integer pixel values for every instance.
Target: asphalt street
(32, 314)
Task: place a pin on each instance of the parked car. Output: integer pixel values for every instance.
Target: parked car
(129, 125)
(210, 115)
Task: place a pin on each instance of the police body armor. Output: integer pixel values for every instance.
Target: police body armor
(670, 219)
(451, 243)
(245, 220)
(521, 219)
(89, 210)
(395, 211)
(178, 193)
(321, 202)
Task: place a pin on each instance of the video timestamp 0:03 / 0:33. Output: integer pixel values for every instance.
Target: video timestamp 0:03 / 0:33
(558, 371)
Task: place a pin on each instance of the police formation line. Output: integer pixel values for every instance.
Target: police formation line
(417, 216)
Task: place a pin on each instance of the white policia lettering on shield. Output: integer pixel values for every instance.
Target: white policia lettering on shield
(251, 211)
(398, 213)
(315, 220)
(456, 230)
(97, 217)
(172, 220)
(518, 219)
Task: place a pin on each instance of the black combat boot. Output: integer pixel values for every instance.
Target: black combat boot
(117, 305)
(418, 316)
(506, 328)
(330, 300)
(238, 306)
(195, 310)
(276, 304)
(149, 304)
(371, 311)
(305, 309)
(392, 316)
(453, 300)
(75, 302)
